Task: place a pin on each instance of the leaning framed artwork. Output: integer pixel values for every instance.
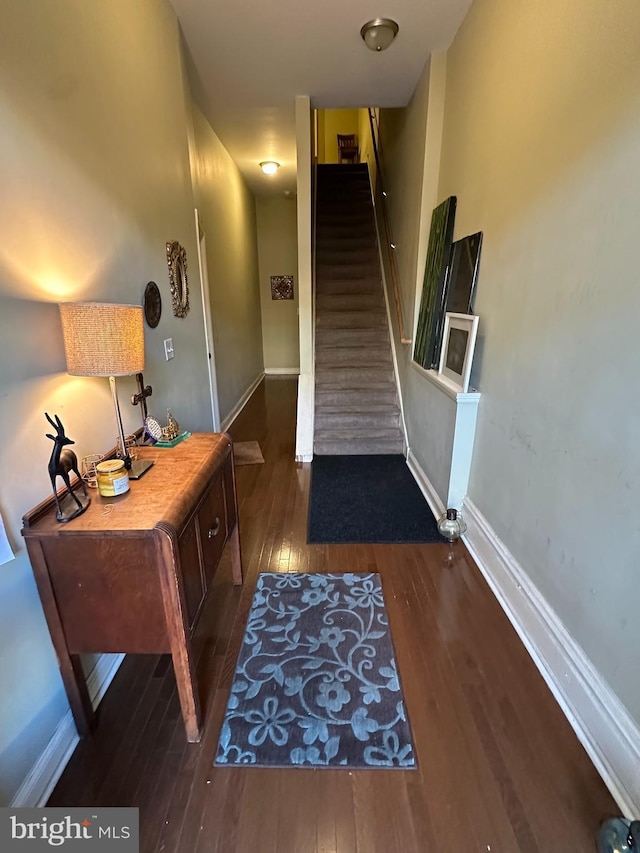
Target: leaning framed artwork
(458, 344)
(426, 351)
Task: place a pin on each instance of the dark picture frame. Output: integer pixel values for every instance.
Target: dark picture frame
(462, 275)
(426, 351)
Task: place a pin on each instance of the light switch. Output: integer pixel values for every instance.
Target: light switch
(168, 348)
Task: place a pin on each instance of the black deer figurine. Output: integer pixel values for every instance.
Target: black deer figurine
(62, 461)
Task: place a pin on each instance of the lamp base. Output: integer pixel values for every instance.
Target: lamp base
(139, 467)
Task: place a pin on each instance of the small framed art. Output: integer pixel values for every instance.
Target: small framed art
(282, 287)
(458, 344)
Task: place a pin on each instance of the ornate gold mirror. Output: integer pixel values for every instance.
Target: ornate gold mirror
(177, 263)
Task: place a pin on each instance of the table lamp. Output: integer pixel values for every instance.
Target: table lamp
(103, 339)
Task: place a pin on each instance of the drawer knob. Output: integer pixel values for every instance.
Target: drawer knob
(213, 531)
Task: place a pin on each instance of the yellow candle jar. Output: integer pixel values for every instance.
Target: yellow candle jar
(113, 478)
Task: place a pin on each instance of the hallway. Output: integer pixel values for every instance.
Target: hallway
(499, 766)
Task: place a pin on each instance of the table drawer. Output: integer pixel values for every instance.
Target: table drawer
(213, 528)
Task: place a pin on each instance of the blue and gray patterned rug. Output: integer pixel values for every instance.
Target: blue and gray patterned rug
(316, 683)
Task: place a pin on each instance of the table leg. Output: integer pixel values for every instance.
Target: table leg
(180, 645)
(236, 555)
(70, 667)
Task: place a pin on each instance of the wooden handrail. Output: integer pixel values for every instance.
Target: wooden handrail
(387, 232)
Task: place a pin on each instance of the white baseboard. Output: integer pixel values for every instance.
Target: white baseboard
(425, 484)
(603, 725)
(305, 417)
(43, 776)
(282, 371)
(242, 402)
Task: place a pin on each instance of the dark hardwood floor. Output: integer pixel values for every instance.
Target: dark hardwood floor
(499, 767)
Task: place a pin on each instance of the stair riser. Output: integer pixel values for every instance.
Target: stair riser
(377, 379)
(348, 286)
(349, 227)
(355, 193)
(345, 401)
(336, 206)
(352, 320)
(347, 356)
(357, 447)
(345, 232)
(358, 420)
(350, 337)
(339, 211)
(367, 257)
(338, 245)
(346, 271)
(350, 302)
(345, 220)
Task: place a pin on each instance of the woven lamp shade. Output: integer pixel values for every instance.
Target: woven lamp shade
(102, 339)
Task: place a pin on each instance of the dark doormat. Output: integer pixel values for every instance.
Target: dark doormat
(367, 499)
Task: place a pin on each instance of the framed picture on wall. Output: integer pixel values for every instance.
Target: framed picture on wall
(458, 345)
(282, 287)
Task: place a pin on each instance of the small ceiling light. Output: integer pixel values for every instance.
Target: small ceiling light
(379, 33)
(269, 167)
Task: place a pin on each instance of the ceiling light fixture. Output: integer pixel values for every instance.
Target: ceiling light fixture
(379, 33)
(269, 167)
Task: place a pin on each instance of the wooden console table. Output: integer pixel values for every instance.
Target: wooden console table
(132, 573)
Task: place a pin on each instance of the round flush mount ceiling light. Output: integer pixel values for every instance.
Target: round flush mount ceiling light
(379, 33)
(269, 167)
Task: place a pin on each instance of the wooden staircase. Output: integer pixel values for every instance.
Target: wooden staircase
(356, 401)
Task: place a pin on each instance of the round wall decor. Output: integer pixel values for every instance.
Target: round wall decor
(152, 304)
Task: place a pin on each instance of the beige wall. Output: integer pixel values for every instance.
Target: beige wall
(227, 216)
(541, 145)
(410, 141)
(278, 255)
(95, 176)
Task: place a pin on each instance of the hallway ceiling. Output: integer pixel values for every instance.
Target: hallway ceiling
(248, 59)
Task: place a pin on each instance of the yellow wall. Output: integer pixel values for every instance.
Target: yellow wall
(366, 145)
(278, 255)
(330, 124)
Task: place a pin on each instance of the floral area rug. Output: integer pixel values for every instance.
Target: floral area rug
(316, 683)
